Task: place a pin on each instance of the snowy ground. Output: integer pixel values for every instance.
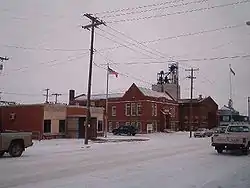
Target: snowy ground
(166, 160)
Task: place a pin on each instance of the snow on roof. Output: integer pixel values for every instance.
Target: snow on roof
(99, 96)
(152, 93)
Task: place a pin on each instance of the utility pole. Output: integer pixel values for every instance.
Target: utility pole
(191, 77)
(46, 95)
(94, 23)
(56, 96)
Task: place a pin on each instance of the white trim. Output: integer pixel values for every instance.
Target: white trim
(113, 111)
(158, 102)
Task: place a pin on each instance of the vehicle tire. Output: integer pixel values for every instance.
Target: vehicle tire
(16, 149)
(245, 151)
(133, 134)
(219, 150)
(1, 153)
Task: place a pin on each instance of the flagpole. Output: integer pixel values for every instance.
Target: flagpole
(230, 94)
(106, 111)
(230, 82)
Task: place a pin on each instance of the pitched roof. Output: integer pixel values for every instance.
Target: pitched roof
(150, 93)
(197, 100)
(99, 96)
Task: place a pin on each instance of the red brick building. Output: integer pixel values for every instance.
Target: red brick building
(51, 120)
(148, 110)
(204, 110)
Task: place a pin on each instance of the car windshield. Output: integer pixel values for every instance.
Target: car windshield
(201, 129)
(238, 129)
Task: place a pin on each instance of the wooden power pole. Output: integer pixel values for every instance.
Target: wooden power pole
(56, 96)
(191, 77)
(47, 95)
(94, 23)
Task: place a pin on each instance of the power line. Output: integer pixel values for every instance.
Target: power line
(137, 7)
(155, 9)
(43, 49)
(126, 46)
(140, 43)
(120, 73)
(179, 12)
(69, 59)
(187, 60)
(181, 35)
(148, 51)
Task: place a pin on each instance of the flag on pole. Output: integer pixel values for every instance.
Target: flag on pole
(111, 71)
(232, 71)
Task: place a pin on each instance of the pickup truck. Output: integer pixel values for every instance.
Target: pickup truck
(14, 143)
(236, 137)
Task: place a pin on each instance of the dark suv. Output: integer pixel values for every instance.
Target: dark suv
(127, 129)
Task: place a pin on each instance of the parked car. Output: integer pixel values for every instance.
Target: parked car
(236, 137)
(221, 129)
(127, 129)
(201, 132)
(14, 143)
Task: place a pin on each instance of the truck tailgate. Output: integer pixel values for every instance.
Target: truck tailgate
(227, 139)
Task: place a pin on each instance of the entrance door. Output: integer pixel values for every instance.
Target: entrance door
(81, 127)
(92, 130)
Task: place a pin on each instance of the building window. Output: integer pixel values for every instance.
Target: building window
(47, 126)
(99, 126)
(225, 118)
(138, 126)
(139, 110)
(154, 109)
(154, 126)
(186, 119)
(172, 111)
(113, 110)
(62, 126)
(110, 126)
(133, 109)
(117, 125)
(127, 110)
(196, 119)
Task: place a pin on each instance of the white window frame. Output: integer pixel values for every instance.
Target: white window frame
(133, 109)
(153, 109)
(127, 106)
(155, 106)
(98, 125)
(113, 111)
(139, 106)
(139, 126)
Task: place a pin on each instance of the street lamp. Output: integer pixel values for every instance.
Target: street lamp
(248, 23)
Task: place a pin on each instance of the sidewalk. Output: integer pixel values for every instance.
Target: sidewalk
(113, 138)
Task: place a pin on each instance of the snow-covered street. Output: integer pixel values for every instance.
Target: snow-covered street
(166, 160)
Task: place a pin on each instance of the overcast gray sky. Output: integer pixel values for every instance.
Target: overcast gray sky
(48, 48)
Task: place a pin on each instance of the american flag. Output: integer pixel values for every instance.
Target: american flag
(111, 71)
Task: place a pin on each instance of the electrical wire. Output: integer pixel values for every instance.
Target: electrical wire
(181, 35)
(154, 9)
(138, 7)
(43, 49)
(120, 73)
(179, 12)
(69, 59)
(141, 43)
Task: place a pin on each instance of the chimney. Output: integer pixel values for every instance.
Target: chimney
(71, 95)
(200, 97)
